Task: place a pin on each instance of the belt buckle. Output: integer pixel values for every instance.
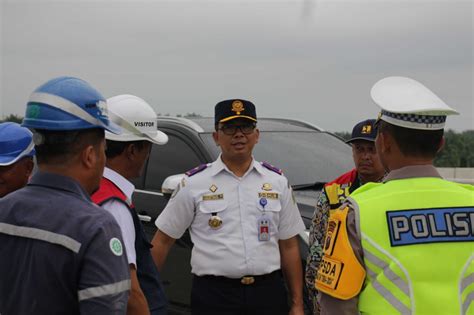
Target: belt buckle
(247, 280)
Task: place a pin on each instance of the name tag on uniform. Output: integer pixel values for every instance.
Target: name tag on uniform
(438, 225)
(263, 228)
(213, 197)
(268, 195)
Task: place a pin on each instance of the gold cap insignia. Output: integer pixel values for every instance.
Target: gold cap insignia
(267, 186)
(237, 107)
(213, 188)
(367, 129)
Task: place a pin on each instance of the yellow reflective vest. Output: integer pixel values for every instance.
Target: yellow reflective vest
(339, 189)
(417, 236)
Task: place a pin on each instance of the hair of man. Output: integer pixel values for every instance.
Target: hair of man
(59, 147)
(115, 148)
(414, 142)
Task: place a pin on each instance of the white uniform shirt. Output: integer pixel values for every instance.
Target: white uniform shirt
(234, 249)
(122, 214)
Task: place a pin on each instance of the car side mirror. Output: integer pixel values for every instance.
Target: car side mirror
(170, 184)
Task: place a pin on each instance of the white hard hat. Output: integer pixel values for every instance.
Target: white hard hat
(408, 103)
(137, 119)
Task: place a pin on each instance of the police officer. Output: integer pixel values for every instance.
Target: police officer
(243, 223)
(16, 157)
(368, 168)
(410, 251)
(60, 253)
(126, 155)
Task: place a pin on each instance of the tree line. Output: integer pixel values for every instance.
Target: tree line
(458, 150)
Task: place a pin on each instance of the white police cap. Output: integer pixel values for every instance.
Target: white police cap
(408, 103)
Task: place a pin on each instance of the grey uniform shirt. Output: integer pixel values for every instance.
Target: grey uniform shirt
(234, 249)
(331, 305)
(60, 253)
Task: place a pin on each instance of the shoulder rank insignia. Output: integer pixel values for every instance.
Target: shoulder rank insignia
(272, 168)
(196, 170)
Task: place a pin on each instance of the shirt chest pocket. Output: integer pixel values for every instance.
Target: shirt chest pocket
(212, 206)
(269, 202)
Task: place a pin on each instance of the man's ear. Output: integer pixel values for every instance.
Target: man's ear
(29, 165)
(215, 136)
(386, 142)
(131, 151)
(258, 134)
(89, 156)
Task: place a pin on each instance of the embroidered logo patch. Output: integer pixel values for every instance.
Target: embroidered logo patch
(366, 129)
(116, 246)
(440, 225)
(331, 236)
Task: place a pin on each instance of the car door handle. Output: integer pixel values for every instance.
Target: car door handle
(144, 218)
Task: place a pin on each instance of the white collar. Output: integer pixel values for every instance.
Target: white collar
(121, 182)
(218, 166)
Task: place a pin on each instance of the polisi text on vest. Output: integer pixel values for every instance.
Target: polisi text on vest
(431, 226)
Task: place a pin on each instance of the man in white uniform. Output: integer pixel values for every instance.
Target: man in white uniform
(243, 222)
(126, 156)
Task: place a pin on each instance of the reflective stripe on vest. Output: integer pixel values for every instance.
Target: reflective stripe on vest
(393, 286)
(466, 287)
(418, 242)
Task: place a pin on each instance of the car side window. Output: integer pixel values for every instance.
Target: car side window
(175, 157)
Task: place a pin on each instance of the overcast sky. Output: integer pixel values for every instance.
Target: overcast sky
(306, 59)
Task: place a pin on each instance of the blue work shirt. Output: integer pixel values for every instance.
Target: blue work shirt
(60, 253)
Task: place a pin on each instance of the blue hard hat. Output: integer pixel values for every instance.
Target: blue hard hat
(15, 142)
(67, 103)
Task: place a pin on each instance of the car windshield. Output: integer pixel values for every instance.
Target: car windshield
(304, 157)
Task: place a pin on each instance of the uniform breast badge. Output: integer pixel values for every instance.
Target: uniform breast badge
(215, 222)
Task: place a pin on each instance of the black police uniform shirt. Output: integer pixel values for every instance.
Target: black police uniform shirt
(59, 253)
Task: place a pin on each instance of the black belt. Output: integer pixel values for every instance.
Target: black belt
(246, 280)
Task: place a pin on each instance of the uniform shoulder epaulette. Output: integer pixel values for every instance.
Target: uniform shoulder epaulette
(272, 168)
(196, 170)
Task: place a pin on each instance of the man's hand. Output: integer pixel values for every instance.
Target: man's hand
(292, 270)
